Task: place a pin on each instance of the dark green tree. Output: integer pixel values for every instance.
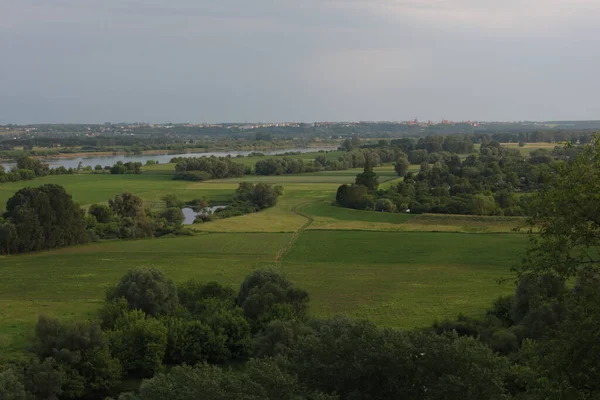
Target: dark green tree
(45, 217)
(368, 178)
(266, 295)
(139, 343)
(146, 289)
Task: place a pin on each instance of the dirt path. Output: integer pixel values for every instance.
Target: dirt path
(284, 250)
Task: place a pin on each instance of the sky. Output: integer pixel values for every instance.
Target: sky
(96, 61)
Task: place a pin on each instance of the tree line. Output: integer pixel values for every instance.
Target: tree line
(489, 183)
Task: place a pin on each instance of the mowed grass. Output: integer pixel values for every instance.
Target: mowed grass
(402, 279)
(98, 188)
(327, 216)
(70, 283)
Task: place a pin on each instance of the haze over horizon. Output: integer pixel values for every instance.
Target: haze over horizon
(317, 60)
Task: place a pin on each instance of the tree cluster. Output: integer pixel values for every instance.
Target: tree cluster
(248, 198)
(483, 184)
(126, 218)
(29, 168)
(121, 168)
(204, 168)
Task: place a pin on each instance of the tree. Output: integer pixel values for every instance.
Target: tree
(357, 360)
(45, 217)
(191, 342)
(81, 353)
(266, 295)
(265, 379)
(171, 200)
(261, 195)
(568, 220)
(368, 178)
(402, 165)
(45, 379)
(11, 387)
(139, 343)
(148, 290)
(101, 212)
(173, 216)
(127, 205)
(385, 205)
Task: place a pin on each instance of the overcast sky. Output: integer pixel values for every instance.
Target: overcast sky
(298, 60)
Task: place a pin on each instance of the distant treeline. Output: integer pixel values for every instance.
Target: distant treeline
(483, 184)
(203, 168)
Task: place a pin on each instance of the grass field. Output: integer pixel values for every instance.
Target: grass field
(399, 270)
(399, 279)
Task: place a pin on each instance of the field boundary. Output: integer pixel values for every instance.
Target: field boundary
(284, 250)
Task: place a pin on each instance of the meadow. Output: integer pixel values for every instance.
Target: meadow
(399, 270)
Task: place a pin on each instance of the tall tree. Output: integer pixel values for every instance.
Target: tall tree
(368, 178)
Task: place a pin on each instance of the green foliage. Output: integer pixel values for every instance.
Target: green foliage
(45, 379)
(146, 289)
(354, 196)
(566, 215)
(172, 200)
(11, 387)
(191, 342)
(202, 168)
(260, 379)
(139, 343)
(173, 216)
(42, 218)
(368, 178)
(260, 195)
(101, 212)
(80, 352)
(266, 295)
(359, 361)
(402, 165)
(127, 205)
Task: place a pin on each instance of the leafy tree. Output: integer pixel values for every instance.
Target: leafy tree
(11, 387)
(385, 205)
(266, 295)
(191, 342)
(354, 196)
(566, 215)
(82, 354)
(171, 200)
(261, 379)
(368, 178)
(192, 294)
(173, 216)
(101, 212)
(261, 195)
(139, 343)
(45, 379)
(44, 217)
(360, 361)
(402, 165)
(148, 290)
(127, 205)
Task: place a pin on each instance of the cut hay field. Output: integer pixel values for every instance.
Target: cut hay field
(398, 270)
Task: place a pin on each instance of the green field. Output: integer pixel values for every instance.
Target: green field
(399, 270)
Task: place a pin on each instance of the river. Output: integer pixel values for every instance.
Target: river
(161, 158)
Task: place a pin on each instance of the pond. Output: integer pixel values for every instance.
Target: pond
(190, 215)
(161, 158)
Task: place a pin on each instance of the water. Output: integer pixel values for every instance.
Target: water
(190, 215)
(161, 158)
